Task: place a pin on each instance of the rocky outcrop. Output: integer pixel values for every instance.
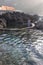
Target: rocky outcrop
(39, 25)
(17, 19)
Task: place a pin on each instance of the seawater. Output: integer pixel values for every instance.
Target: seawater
(21, 47)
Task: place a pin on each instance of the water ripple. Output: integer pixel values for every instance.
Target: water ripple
(21, 49)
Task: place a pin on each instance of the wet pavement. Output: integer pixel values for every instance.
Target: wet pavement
(21, 47)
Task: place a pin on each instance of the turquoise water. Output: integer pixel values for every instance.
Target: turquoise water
(21, 47)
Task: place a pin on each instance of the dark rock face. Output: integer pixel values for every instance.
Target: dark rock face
(2, 23)
(39, 25)
(15, 19)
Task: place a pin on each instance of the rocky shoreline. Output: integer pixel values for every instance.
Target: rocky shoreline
(9, 19)
(16, 19)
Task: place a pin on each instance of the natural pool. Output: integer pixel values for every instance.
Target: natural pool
(21, 47)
